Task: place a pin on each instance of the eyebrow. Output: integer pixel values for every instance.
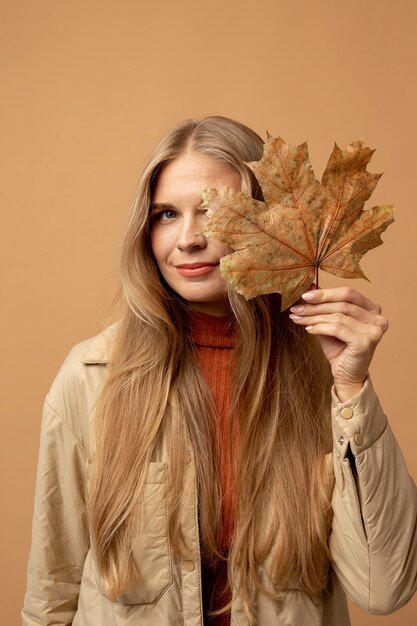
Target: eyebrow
(161, 205)
(166, 205)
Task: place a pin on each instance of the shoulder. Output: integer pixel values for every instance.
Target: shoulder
(80, 361)
(77, 385)
(96, 350)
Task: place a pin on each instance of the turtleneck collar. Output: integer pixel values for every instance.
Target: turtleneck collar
(212, 331)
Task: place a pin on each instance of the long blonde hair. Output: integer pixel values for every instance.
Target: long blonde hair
(155, 390)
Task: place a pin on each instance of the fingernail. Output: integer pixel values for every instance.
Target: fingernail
(297, 309)
(295, 317)
(310, 296)
(308, 327)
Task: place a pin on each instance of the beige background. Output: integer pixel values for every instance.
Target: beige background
(88, 87)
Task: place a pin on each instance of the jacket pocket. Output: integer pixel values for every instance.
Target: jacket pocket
(151, 549)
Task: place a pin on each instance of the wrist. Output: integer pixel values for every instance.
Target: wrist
(345, 391)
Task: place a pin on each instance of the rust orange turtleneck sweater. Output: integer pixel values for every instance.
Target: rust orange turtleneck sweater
(214, 338)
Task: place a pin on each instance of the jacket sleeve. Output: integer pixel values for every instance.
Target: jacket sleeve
(374, 535)
(59, 531)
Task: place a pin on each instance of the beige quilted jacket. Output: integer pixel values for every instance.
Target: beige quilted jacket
(373, 541)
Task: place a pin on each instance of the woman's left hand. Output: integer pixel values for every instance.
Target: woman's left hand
(349, 327)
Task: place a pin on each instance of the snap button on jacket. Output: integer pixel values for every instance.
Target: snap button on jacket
(373, 540)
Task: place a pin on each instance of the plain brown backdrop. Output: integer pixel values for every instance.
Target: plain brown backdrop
(88, 86)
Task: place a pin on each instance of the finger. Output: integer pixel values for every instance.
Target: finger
(341, 294)
(349, 331)
(340, 319)
(345, 308)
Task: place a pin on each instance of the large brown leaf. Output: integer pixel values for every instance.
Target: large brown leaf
(302, 226)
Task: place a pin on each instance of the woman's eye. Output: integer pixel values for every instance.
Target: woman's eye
(165, 216)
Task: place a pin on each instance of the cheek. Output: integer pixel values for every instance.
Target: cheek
(218, 248)
(223, 250)
(159, 244)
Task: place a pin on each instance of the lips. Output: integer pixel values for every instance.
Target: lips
(196, 269)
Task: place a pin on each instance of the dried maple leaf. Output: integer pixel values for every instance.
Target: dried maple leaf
(303, 225)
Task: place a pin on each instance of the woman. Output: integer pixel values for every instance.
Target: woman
(196, 463)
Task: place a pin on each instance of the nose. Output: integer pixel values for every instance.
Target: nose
(190, 237)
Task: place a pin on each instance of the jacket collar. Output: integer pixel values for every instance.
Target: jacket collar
(99, 348)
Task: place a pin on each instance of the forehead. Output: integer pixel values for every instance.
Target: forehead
(190, 173)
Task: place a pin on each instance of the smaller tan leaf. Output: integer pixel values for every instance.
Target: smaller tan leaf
(302, 225)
